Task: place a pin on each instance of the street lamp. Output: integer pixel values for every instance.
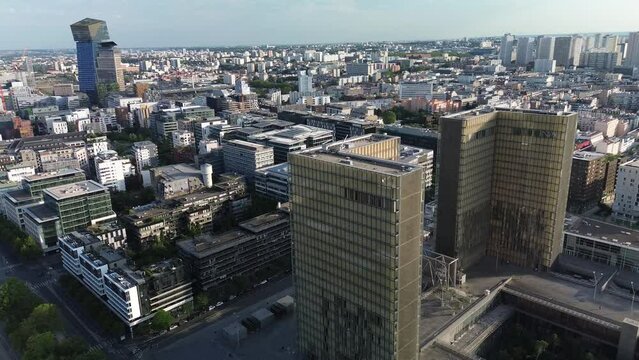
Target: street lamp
(594, 291)
(632, 304)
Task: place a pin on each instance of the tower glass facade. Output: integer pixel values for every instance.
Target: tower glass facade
(356, 223)
(505, 176)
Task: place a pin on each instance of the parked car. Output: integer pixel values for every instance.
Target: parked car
(211, 307)
(173, 327)
(219, 303)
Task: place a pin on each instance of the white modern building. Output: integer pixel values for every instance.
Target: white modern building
(626, 205)
(506, 49)
(146, 155)
(111, 170)
(304, 83)
(182, 138)
(245, 157)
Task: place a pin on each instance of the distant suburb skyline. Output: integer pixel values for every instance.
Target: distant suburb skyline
(38, 24)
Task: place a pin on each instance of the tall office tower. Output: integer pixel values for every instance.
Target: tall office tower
(598, 38)
(546, 48)
(506, 49)
(88, 34)
(610, 42)
(562, 49)
(524, 50)
(505, 176)
(590, 42)
(304, 83)
(109, 63)
(356, 224)
(576, 47)
(632, 53)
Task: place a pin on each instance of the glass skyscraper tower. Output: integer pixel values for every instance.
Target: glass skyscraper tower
(88, 35)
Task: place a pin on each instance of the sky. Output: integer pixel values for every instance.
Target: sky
(44, 24)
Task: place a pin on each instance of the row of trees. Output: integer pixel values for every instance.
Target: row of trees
(36, 329)
(109, 323)
(526, 339)
(21, 243)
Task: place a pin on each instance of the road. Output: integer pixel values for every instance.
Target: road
(199, 341)
(41, 277)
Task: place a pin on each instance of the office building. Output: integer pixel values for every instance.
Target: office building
(255, 243)
(626, 207)
(632, 54)
(545, 66)
(356, 222)
(272, 182)
(602, 242)
(506, 49)
(88, 34)
(525, 48)
(546, 48)
(505, 175)
(109, 65)
(561, 52)
(592, 180)
(112, 170)
(576, 48)
(244, 157)
(413, 136)
(415, 90)
(294, 138)
(146, 155)
(16, 201)
(67, 208)
(341, 126)
(610, 43)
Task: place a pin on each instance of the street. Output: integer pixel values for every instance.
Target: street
(203, 339)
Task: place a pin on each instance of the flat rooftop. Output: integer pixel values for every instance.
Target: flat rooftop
(52, 174)
(246, 145)
(207, 244)
(42, 213)
(632, 163)
(17, 196)
(78, 239)
(177, 171)
(602, 231)
(387, 167)
(265, 221)
(81, 188)
(587, 155)
(279, 169)
(487, 110)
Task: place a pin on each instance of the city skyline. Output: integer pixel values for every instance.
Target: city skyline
(224, 22)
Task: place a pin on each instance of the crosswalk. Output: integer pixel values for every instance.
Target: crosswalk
(114, 352)
(34, 285)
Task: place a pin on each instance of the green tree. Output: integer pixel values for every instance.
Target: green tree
(16, 302)
(40, 347)
(161, 320)
(201, 301)
(389, 117)
(540, 348)
(70, 348)
(43, 318)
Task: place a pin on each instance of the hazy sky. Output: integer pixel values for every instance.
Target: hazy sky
(38, 24)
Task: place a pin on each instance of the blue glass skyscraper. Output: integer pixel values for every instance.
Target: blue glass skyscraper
(88, 34)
